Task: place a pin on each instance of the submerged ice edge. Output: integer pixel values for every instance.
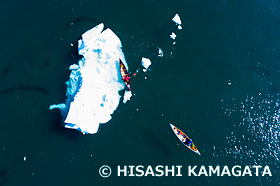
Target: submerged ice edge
(94, 84)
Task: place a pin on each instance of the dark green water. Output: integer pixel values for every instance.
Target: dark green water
(220, 85)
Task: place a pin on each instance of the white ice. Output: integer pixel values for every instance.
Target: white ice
(94, 84)
(178, 21)
(127, 96)
(173, 35)
(146, 62)
(160, 52)
(74, 67)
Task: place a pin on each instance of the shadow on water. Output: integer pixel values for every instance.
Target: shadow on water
(5, 71)
(4, 175)
(155, 141)
(25, 59)
(72, 55)
(83, 19)
(28, 88)
(72, 31)
(57, 127)
(159, 33)
(28, 59)
(43, 63)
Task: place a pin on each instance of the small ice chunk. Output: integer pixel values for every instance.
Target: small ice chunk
(71, 44)
(24, 158)
(144, 70)
(174, 43)
(74, 67)
(146, 62)
(160, 52)
(127, 96)
(173, 35)
(177, 19)
(59, 106)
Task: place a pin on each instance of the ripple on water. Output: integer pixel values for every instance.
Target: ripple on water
(255, 139)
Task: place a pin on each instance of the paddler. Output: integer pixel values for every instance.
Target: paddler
(188, 142)
(126, 78)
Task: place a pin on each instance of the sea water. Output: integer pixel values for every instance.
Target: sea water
(219, 83)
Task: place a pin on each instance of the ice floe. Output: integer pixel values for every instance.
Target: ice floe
(73, 67)
(160, 52)
(127, 96)
(146, 62)
(94, 84)
(173, 35)
(178, 21)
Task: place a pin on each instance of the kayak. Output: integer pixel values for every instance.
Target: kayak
(125, 75)
(184, 138)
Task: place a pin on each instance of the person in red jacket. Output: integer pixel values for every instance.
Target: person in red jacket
(126, 78)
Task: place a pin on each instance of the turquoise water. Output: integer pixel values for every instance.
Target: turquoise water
(220, 85)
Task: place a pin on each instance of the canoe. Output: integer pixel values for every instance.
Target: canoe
(182, 137)
(124, 74)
